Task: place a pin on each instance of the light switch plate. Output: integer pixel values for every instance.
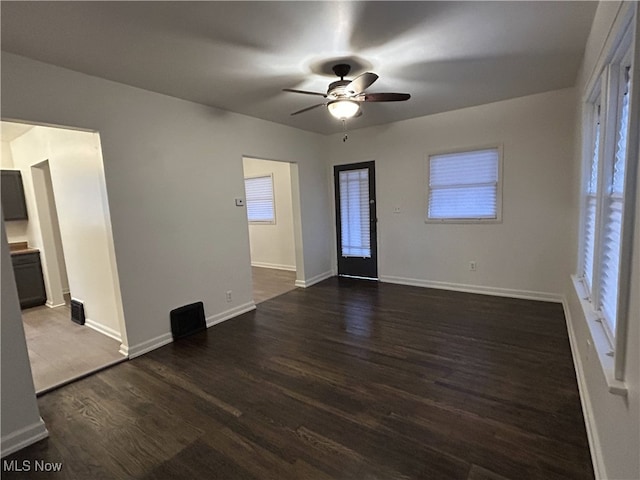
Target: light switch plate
(239, 202)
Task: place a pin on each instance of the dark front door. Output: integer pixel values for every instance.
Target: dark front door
(356, 219)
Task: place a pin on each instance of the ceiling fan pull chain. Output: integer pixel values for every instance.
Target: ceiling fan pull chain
(344, 128)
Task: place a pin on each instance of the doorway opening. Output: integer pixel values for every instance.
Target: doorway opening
(356, 220)
(273, 210)
(65, 239)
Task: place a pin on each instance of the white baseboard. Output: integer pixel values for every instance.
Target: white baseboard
(314, 280)
(276, 266)
(480, 289)
(98, 327)
(133, 351)
(587, 410)
(162, 340)
(54, 305)
(22, 438)
(124, 350)
(231, 313)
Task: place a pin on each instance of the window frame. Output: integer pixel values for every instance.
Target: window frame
(605, 86)
(499, 184)
(273, 199)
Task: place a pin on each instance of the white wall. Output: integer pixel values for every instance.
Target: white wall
(21, 423)
(272, 245)
(16, 229)
(528, 253)
(613, 420)
(172, 171)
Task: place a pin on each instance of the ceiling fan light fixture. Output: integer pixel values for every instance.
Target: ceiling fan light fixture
(343, 109)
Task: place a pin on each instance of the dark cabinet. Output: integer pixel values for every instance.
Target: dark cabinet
(28, 272)
(12, 191)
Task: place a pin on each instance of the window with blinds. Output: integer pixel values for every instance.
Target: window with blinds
(591, 205)
(603, 214)
(464, 186)
(259, 199)
(355, 233)
(612, 214)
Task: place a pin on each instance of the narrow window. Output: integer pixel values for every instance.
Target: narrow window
(612, 214)
(354, 213)
(591, 205)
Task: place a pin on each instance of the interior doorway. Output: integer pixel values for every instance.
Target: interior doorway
(272, 205)
(67, 231)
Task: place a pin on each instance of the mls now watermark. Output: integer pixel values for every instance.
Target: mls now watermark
(30, 466)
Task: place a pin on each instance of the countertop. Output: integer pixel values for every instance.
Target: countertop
(21, 248)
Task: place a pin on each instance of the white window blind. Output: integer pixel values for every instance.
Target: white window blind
(260, 204)
(591, 205)
(355, 234)
(612, 221)
(464, 185)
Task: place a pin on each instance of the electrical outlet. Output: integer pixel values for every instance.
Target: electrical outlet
(473, 266)
(396, 210)
(229, 296)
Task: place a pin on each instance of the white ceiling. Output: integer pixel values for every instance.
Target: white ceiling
(238, 56)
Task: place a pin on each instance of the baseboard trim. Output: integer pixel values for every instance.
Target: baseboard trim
(133, 351)
(165, 339)
(231, 313)
(98, 327)
(24, 437)
(587, 410)
(54, 305)
(313, 280)
(276, 266)
(479, 289)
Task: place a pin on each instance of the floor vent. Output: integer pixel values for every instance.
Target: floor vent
(77, 312)
(188, 320)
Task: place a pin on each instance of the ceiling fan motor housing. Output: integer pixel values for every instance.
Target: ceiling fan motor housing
(337, 90)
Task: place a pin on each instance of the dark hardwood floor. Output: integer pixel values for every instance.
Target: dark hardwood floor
(347, 379)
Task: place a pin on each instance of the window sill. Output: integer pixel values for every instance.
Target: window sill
(601, 344)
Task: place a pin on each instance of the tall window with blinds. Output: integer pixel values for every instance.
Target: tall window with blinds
(613, 206)
(260, 200)
(591, 202)
(603, 254)
(464, 186)
(355, 235)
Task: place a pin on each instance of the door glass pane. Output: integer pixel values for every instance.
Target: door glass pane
(355, 239)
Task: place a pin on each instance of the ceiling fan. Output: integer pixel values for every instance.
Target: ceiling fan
(345, 96)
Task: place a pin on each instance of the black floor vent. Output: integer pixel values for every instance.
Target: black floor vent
(188, 320)
(77, 311)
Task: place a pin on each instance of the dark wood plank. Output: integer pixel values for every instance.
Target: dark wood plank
(346, 379)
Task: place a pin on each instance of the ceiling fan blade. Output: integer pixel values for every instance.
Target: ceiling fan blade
(383, 97)
(309, 108)
(304, 92)
(361, 83)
